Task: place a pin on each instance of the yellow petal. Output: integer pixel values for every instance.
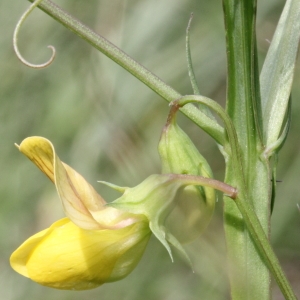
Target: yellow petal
(78, 197)
(65, 256)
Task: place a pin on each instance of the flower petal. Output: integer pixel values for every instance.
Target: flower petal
(78, 197)
(81, 203)
(65, 256)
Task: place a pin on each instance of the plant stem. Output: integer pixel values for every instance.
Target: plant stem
(249, 275)
(121, 58)
(252, 222)
(261, 241)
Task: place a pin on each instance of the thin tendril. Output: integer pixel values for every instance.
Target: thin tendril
(189, 59)
(15, 40)
(191, 72)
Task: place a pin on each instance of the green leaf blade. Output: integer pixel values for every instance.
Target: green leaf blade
(278, 70)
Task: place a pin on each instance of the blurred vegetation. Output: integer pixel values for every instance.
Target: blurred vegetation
(106, 124)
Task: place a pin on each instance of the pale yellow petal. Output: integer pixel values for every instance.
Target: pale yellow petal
(79, 199)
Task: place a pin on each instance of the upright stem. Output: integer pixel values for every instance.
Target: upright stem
(249, 275)
(257, 234)
(262, 243)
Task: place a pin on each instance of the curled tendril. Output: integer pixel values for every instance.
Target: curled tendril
(15, 40)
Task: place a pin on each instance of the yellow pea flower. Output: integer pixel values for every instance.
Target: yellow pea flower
(101, 242)
(94, 245)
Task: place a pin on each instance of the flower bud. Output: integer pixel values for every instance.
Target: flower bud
(195, 204)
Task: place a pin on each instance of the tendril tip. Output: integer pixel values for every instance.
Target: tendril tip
(15, 40)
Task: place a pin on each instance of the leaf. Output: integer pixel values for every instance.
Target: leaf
(278, 70)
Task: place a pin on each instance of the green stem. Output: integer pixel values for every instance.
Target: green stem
(133, 67)
(262, 243)
(251, 220)
(248, 272)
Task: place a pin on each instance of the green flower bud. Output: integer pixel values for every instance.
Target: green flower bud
(195, 204)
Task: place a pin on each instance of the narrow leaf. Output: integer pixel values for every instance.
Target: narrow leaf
(278, 70)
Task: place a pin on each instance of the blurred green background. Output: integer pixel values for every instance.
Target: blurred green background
(106, 125)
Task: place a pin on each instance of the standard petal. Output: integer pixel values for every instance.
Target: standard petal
(78, 197)
(68, 257)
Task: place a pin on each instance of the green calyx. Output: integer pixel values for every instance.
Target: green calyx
(155, 199)
(157, 196)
